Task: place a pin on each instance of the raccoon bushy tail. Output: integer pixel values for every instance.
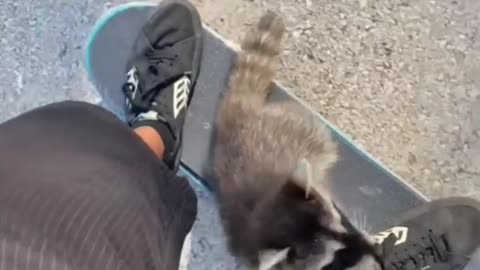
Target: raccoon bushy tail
(252, 74)
(257, 62)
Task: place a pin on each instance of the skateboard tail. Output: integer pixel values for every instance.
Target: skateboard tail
(99, 26)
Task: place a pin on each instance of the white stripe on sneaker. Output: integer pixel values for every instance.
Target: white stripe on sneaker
(181, 92)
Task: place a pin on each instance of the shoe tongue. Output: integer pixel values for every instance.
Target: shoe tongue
(156, 76)
(156, 67)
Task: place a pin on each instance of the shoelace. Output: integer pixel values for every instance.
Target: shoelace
(429, 250)
(155, 57)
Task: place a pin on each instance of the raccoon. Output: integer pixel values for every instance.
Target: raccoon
(271, 161)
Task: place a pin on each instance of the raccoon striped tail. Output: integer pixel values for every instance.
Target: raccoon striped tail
(258, 59)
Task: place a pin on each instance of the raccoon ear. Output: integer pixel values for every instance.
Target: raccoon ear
(271, 257)
(303, 174)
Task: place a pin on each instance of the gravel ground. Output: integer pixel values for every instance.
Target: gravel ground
(401, 77)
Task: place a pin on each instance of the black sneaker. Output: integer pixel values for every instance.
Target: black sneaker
(441, 235)
(163, 69)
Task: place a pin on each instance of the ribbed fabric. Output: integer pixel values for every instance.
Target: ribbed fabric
(79, 190)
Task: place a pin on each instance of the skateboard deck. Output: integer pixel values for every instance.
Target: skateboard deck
(365, 189)
(362, 186)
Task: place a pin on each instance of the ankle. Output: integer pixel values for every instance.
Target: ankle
(152, 139)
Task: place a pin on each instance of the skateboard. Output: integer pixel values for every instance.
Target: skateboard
(362, 186)
(360, 183)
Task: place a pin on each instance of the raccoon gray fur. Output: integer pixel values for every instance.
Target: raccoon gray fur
(271, 163)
